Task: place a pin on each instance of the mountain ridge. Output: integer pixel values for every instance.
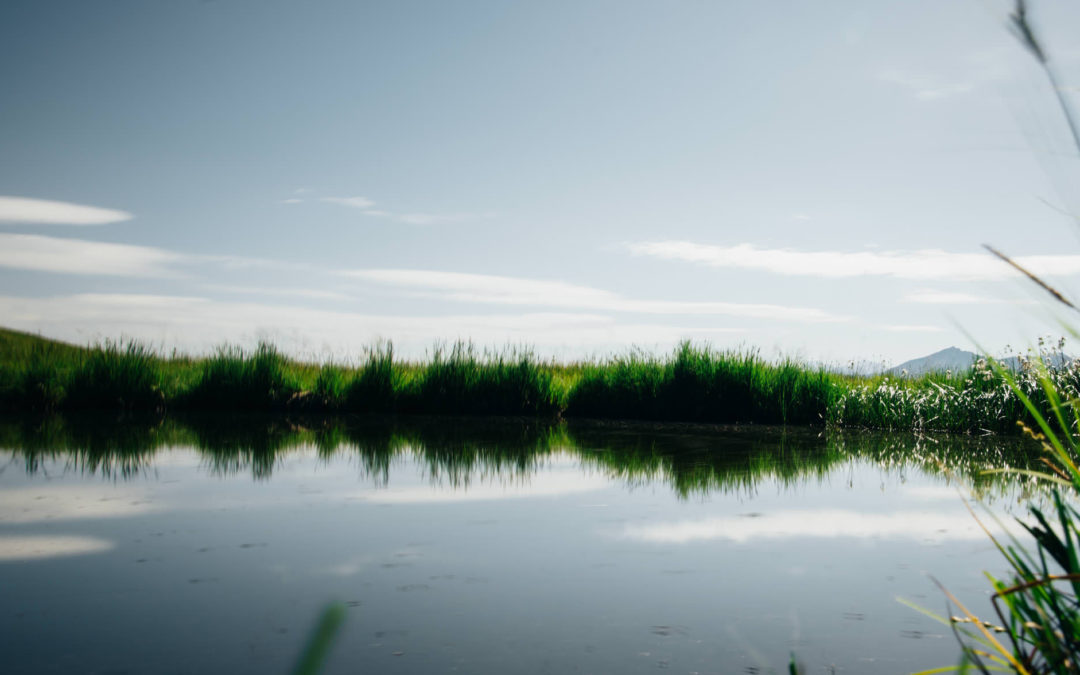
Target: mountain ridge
(956, 360)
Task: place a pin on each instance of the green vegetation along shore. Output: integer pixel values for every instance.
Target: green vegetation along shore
(693, 384)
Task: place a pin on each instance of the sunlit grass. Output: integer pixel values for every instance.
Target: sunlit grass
(691, 384)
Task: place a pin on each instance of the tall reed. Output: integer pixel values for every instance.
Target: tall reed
(698, 384)
(234, 380)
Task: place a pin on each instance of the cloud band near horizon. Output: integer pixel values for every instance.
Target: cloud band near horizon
(924, 264)
(502, 290)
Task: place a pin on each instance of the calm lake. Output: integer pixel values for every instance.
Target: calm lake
(485, 546)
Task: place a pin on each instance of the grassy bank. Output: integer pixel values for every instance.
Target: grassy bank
(692, 384)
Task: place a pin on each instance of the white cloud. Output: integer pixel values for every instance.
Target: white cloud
(489, 289)
(365, 204)
(47, 212)
(500, 290)
(312, 293)
(903, 328)
(974, 72)
(353, 202)
(200, 324)
(294, 200)
(921, 264)
(936, 297)
(926, 88)
(77, 256)
(435, 219)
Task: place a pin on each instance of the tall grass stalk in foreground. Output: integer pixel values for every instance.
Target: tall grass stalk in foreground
(1037, 606)
(320, 641)
(1038, 603)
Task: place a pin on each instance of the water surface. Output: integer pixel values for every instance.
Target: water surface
(210, 544)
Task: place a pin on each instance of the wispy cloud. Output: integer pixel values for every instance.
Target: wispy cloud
(936, 297)
(78, 256)
(921, 264)
(926, 87)
(970, 73)
(904, 328)
(310, 293)
(437, 219)
(61, 255)
(200, 323)
(501, 290)
(364, 205)
(351, 202)
(46, 212)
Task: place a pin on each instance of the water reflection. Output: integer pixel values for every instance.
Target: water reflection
(40, 547)
(919, 526)
(474, 544)
(44, 503)
(486, 458)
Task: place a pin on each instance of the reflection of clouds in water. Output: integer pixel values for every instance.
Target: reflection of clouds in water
(553, 484)
(933, 493)
(38, 547)
(69, 502)
(822, 523)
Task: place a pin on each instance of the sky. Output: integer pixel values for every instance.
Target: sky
(581, 178)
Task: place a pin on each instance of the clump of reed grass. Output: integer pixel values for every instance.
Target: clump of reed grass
(234, 380)
(34, 382)
(698, 384)
(330, 387)
(978, 400)
(505, 383)
(117, 376)
(375, 388)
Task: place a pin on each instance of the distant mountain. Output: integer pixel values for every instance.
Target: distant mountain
(951, 358)
(956, 359)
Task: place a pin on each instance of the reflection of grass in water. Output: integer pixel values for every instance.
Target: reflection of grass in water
(693, 460)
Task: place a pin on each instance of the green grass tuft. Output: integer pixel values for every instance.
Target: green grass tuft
(700, 385)
(234, 380)
(116, 376)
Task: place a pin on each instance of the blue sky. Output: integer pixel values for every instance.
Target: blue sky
(806, 178)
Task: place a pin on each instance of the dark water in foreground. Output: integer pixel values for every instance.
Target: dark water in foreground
(483, 547)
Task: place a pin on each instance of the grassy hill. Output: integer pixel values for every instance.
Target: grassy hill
(15, 345)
